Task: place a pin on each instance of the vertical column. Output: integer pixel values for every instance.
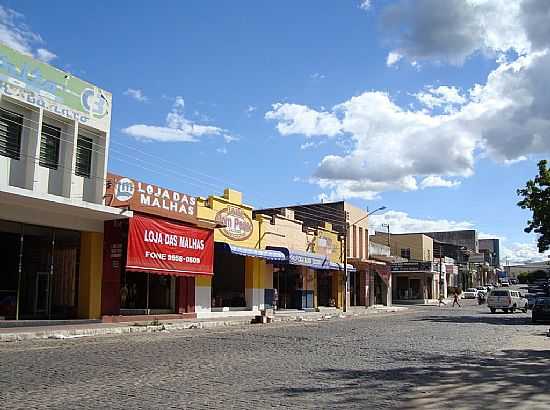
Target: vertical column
(40, 184)
(203, 294)
(90, 275)
(185, 295)
(254, 283)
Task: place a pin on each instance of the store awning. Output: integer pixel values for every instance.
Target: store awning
(340, 266)
(268, 254)
(301, 258)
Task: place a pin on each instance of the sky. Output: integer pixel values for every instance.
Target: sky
(437, 110)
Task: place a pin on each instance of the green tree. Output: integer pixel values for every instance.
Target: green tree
(536, 197)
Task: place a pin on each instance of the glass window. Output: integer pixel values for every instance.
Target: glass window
(83, 156)
(49, 146)
(11, 125)
(406, 253)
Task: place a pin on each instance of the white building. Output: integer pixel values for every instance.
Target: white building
(54, 138)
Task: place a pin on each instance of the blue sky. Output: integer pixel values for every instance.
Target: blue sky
(266, 101)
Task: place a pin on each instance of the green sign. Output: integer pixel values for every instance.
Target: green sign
(41, 85)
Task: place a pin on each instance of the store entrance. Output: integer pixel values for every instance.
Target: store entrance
(324, 289)
(147, 293)
(228, 283)
(40, 272)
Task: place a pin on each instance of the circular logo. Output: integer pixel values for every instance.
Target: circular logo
(94, 103)
(124, 189)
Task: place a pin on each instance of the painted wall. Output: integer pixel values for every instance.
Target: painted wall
(421, 246)
(90, 275)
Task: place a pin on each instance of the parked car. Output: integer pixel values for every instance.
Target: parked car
(541, 310)
(506, 299)
(470, 293)
(482, 289)
(504, 284)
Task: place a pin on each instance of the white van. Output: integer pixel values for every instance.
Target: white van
(506, 299)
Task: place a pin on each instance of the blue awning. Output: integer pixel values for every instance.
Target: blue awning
(271, 255)
(340, 266)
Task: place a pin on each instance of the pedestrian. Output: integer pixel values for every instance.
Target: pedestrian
(455, 299)
(441, 300)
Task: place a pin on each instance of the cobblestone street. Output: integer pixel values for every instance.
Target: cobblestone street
(425, 357)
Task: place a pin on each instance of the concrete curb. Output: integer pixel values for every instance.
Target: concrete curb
(121, 329)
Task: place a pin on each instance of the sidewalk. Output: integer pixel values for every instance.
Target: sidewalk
(71, 331)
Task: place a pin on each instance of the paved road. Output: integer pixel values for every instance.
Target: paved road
(426, 357)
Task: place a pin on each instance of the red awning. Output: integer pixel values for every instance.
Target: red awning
(164, 247)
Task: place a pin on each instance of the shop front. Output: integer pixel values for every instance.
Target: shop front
(151, 261)
(243, 272)
(414, 282)
(371, 284)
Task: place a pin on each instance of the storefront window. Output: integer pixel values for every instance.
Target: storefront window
(40, 278)
(143, 292)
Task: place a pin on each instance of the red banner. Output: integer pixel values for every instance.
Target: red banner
(168, 248)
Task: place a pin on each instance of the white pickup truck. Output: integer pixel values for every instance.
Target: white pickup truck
(506, 299)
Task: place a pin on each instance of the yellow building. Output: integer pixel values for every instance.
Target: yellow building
(242, 270)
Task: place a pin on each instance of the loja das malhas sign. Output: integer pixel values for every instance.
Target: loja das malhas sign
(148, 198)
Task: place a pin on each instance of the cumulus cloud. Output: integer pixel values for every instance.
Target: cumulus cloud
(136, 94)
(445, 97)
(393, 58)
(433, 181)
(520, 253)
(506, 119)
(15, 33)
(402, 222)
(452, 30)
(177, 128)
(300, 119)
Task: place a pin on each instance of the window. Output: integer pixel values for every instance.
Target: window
(406, 253)
(49, 146)
(360, 243)
(354, 241)
(11, 125)
(83, 156)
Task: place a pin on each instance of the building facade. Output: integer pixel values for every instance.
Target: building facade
(54, 139)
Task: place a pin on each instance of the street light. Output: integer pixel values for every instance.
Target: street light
(346, 281)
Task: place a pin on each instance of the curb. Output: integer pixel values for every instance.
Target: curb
(133, 329)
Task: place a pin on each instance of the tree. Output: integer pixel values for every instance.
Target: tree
(536, 197)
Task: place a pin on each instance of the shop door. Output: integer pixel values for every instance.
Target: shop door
(10, 243)
(324, 288)
(36, 272)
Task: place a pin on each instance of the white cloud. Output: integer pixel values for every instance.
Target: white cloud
(45, 55)
(307, 144)
(432, 181)
(505, 119)
(317, 76)
(393, 57)
(15, 33)
(222, 150)
(299, 119)
(365, 4)
(443, 96)
(519, 253)
(177, 128)
(136, 94)
(401, 222)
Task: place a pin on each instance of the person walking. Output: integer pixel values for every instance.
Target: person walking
(455, 299)
(441, 300)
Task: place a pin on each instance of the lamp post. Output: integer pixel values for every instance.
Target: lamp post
(346, 281)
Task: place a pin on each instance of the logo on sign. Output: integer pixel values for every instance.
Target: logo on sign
(238, 225)
(94, 103)
(124, 189)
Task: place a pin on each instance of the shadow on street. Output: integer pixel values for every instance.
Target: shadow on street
(492, 319)
(515, 379)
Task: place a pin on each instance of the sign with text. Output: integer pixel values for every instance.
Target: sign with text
(168, 248)
(41, 85)
(412, 267)
(151, 199)
(237, 224)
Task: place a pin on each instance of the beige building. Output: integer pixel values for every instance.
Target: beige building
(412, 246)
(416, 280)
